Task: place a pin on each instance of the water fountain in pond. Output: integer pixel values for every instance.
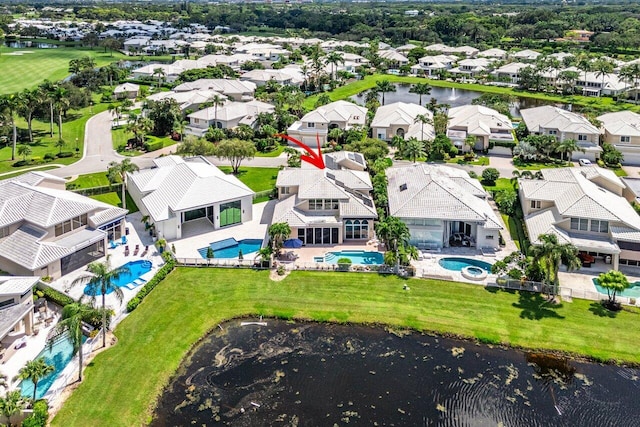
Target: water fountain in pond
(453, 96)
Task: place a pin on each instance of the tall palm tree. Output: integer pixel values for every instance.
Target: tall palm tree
(160, 73)
(334, 58)
(12, 404)
(335, 134)
(549, 254)
(216, 101)
(420, 89)
(72, 317)
(100, 280)
(384, 86)
(278, 232)
(9, 105)
(61, 103)
(630, 74)
(28, 103)
(584, 64)
(35, 370)
(414, 149)
(395, 234)
(45, 94)
(602, 67)
(423, 119)
(119, 171)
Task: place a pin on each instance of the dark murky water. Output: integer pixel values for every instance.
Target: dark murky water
(289, 374)
(445, 95)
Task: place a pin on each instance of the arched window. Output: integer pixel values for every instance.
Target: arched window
(400, 132)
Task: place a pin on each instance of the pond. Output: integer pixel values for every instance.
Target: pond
(311, 374)
(445, 95)
(29, 44)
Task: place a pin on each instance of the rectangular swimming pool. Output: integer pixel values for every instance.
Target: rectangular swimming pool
(356, 257)
(229, 248)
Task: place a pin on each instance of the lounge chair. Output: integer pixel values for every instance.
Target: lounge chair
(146, 249)
(136, 250)
(126, 250)
(124, 240)
(113, 244)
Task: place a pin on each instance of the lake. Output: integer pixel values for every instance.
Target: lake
(29, 44)
(311, 374)
(445, 95)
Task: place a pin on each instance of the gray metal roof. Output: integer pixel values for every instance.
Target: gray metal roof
(16, 285)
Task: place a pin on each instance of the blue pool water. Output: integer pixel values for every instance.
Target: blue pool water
(632, 292)
(136, 269)
(356, 257)
(457, 264)
(229, 248)
(59, 356)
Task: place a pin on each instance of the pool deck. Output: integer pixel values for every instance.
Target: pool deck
(200, 233)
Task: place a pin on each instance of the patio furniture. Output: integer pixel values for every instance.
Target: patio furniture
(126, 250)
(586, 259)
(19, 343)
(146, 249)
(124, 240)
(113, 244)
(136, 250)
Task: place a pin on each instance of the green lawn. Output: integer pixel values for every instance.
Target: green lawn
(122, 383)
(29, 70)
(39, 169)
(534, 166)
(501, 184)
(275, 153)
(73, 128)
(257, 179)
(619, 172)
(601, 104)
(114, 198)
(120, 137)
(89, 180)
(479, 161)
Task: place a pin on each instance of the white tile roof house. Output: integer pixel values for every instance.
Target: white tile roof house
(442, 206)
(177, 192)
(583, 206)
(48, 231)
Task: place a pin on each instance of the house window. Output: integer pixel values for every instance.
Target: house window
(315, 204)
(356, 229)
(489, 237)
(581, 224)
(625, 139)
(6, 303)
(330, 204)
(553, 132)
(535, 204)
(582, 138)
(599, 226)
(285, 190)
(311, 125)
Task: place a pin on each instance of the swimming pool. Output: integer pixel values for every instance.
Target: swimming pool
(229, 248)
(59, 356)
(631, 292)
(136, 269)
(457, 264)
(356, 257)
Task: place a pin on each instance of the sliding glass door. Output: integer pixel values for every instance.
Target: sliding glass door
(230, 213)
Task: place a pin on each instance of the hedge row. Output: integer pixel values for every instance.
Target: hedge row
(40, 415)
(160, 275)
(153, 146)
(56, 297)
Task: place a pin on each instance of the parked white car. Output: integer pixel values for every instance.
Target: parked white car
(584, 162)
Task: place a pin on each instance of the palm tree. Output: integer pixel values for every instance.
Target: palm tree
(423, 119)
(72, 317)
(384, 86)
(334, 58)
(549, 254)
(60, 102)
(8, 107)
(568, 146)
(12, 404)
(414, 149)
(119, 171)
(46, 91)
(630, 74)
(470, 141)
(35, 370)
(24, 151)
(278, 232)
(602, 68)
(160, 73)
(395, 234)
(27, 106)
(100, 280)
(568, 80)
(216, 101)
(420, 89)
(335, 134)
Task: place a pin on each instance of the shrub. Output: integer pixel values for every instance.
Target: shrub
(473, 175)
(344, 261)
(515, 273)
(280, 270)
(65, 154)
(56, 297)
(20, 163)
(40, 415)
(344, 264)
(153, 145)
(490, 176)
(160, 275)
(507, 144)
(48, 157)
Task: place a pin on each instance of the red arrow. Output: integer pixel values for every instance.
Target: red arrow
(316, 159)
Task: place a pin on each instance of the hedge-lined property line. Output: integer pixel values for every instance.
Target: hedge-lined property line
(148, 287)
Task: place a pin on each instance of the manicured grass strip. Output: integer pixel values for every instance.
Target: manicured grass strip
(30, 69)
(89, 180)
(114, 198)
(275, 153)
(601, 104)
(257, 179)
(37, 169)
(155, 338)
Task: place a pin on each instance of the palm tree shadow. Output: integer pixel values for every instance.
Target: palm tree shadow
(535, 307)
(600, 310)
